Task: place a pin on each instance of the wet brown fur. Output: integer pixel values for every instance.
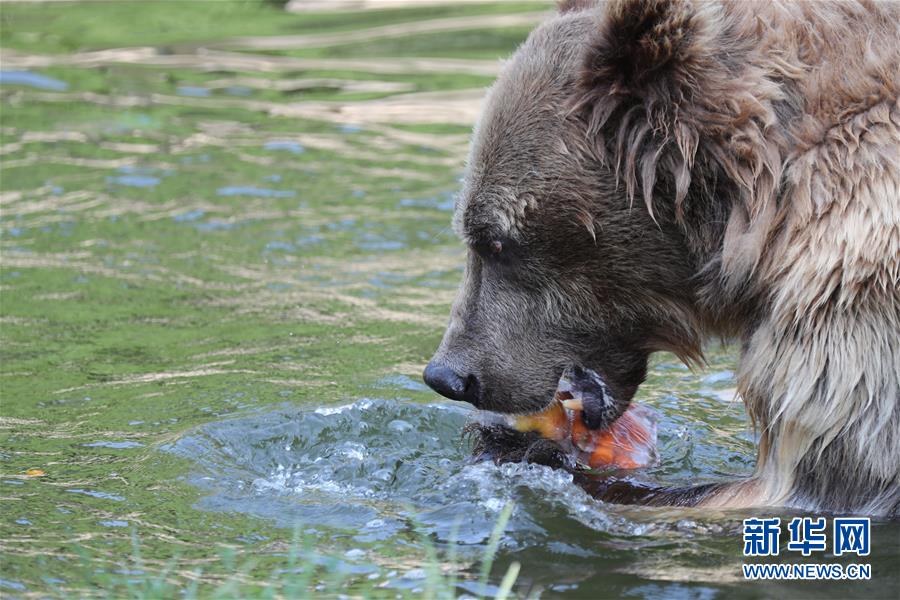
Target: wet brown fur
(762, 143)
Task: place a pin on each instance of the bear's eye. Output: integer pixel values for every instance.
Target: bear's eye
(499, 250)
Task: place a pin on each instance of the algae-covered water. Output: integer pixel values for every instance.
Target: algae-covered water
(226, 258)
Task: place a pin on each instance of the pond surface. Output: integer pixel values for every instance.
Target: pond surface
(226, 258)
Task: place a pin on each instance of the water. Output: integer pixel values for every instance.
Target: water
(216, 306)
(35, 80)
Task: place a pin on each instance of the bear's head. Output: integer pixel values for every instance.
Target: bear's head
(564, 267)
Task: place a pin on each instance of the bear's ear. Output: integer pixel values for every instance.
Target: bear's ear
(645, 41)
(646, 59)
(667, 84)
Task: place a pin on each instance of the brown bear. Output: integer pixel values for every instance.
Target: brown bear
(647, 174)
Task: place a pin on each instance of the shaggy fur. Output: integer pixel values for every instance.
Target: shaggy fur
(763, 139)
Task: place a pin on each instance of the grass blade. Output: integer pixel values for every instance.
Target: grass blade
(512, 573)
(494, 543)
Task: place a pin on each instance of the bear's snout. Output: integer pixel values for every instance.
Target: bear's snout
(450, 384)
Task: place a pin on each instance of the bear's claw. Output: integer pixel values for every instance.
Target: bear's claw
(590, 394)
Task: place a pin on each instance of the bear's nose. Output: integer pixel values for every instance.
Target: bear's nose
(448, 383)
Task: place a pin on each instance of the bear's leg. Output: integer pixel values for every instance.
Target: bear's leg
(820, 373)
(824, 397)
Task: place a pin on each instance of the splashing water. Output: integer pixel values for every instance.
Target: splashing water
(376, 467)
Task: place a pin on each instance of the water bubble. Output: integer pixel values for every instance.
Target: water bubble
(12, 585)
(250, 190)
(141, 181)
(415, 574)
(285, 145)
(114, 523)
(399, 426)
(191, 215)
(96, 494)
(194, 91)
(35, 80)
(114, 445)
(383, 474)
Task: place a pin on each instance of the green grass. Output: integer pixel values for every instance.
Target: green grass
(104, 287)
(488, 43)
(74, 26)
(300, 570)
(142, 80)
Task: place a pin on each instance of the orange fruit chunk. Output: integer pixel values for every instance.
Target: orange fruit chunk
(629, 443)
(552, 423)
